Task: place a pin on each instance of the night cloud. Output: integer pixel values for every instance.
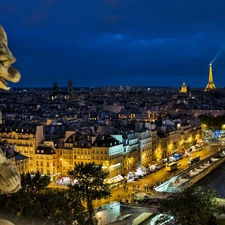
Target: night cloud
(116, 42)
(113, 3)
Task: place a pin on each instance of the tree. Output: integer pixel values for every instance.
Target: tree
(49, 206)
(193, 206)
(55, 206)
(89, 183)
(34, 182)
(212, 122)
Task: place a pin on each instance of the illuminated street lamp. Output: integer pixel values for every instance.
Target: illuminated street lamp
(204, 126)
(61, 165)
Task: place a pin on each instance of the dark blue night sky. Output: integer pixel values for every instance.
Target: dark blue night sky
(116, 42)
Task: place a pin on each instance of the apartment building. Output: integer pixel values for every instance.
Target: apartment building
(105, 150)
(21, 161)
(145, 147)
(119, 153)
(46, 159)
(175, 135)
(23, 139)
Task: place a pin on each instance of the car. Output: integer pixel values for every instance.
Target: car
(194, 160)
(178, 156)
(163, 219)
(149, 201)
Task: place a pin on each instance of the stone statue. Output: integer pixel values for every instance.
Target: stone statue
(7, 73)
(5, 222)
(10, 181)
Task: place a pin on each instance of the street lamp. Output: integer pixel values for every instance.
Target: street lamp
(61, 162)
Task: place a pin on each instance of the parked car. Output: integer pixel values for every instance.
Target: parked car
(194, 160)
(178, 156)
(149, 201)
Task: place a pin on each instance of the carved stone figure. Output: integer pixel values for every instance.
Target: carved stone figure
(9, 175)
(10, 181)
(5, 222)
(7, 72)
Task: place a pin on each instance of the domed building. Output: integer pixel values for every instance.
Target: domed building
(183, 88)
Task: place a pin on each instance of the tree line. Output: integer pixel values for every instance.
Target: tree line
(74, 205)
(212, 122)
(52, 206)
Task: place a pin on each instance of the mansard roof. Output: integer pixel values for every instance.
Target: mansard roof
(18, 129)
(45, 149)
(20, 157)
(9, 152)
(162, 134)
(106, 141)
(77, 137)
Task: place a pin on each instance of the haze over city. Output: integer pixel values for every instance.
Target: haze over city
(115, 42)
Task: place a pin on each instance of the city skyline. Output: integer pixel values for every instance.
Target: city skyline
(115, 42)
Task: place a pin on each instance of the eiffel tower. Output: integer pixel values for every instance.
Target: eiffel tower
(210, 86)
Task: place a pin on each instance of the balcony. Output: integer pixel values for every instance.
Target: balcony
(23, 144)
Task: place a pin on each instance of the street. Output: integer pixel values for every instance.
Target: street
(139, 186)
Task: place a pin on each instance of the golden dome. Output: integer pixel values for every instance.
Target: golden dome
(183, 88)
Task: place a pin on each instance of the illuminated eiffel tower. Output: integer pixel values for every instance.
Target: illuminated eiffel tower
(210, 86)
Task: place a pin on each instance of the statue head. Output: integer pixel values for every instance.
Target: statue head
(7, 72)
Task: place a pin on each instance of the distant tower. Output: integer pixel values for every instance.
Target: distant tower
(189, 90)
(70, 88)
(55, 87)
(183, 88)
(210, 86)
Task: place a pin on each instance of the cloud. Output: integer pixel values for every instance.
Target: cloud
(118, 40)
(112, 3)
(40, 14)
(9, 8)
(111, 18)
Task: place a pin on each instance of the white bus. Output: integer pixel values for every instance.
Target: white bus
(171, 166)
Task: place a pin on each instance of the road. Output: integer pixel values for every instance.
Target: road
(119, 194)
(152, 179)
